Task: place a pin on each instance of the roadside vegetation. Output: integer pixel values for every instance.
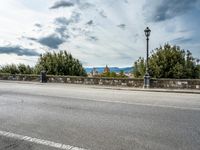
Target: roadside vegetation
(169, 62)
(17, 69)
(61, 63)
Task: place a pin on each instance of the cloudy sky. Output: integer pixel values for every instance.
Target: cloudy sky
(98, 32)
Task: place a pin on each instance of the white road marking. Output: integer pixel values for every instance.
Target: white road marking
(39, 141)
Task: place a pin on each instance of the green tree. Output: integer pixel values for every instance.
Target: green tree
(11, 69)
(23, 69)
(61, 63)
(168, 62)
(121, 74)
(16, 69)
(198, 71)
(105, 74)
(113, 74)
(139, 68)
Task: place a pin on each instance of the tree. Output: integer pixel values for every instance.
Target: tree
(168, 62)
(23, 69)
(61, 63)
(105, 74)
(113, 74)
(198, 71)
(121, 74)
(139, 68)
(12, 69)
(16, 69)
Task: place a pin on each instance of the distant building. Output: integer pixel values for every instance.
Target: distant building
(94, 72)
(106, 69)
(129, 75)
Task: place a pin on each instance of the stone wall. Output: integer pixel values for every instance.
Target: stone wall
(176, 83)
(137, 83)
(97, 81)
(33, 78)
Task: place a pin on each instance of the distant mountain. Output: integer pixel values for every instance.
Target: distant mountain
(112, 69)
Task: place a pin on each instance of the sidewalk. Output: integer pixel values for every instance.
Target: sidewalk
(188, 91)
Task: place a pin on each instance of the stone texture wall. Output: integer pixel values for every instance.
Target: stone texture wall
(137, 83)
(33, 78)
(176, 83)
(97, 81)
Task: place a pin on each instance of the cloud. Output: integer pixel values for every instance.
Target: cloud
(59, 34)
(62, 3)
(62, 21)
(62, 24)
(62, 31)
(90, 22)
(126, 1)
(161, 10)
(18, 51)
(103, 14)
(30, 38)
(123, 56)
(51, 41)
(181, 40)
(75, 17)
(122, 26)
(85, 5)
(70, 3)
(93, 38)
(38, 25)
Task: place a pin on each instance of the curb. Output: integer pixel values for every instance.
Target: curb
(113, 88)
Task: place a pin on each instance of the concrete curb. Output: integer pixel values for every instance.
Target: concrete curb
(186, 91)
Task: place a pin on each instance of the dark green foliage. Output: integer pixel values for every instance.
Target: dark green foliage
(61, 63)
(169, 62)
(122, 75)
(105, 74)
(23, 69)
(113, 74)
(198, 71)
(16, 69)
(139, 68)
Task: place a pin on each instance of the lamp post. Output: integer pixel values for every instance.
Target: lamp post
(147, 76)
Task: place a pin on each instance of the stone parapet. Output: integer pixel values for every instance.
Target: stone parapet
(131, 82)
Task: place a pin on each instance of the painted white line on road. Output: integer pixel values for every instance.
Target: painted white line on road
(39, 141)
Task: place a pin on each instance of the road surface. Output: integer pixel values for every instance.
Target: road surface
(74, 117)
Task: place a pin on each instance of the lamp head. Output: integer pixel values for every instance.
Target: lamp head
(147, 32)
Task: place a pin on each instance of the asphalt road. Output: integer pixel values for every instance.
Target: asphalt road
(96, 119)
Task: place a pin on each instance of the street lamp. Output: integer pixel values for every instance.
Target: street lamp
(147, 76)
